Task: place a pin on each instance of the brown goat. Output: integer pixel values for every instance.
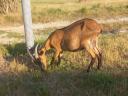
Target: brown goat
(82, 34)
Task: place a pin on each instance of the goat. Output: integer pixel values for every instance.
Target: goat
(82, 34)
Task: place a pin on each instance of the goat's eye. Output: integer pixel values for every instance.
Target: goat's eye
(41, 52)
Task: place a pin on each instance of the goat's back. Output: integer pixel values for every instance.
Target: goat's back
(76, 34)
(73, 36)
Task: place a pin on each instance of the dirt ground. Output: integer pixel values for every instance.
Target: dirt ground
(58, 24)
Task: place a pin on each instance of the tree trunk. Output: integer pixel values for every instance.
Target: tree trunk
(8, 6)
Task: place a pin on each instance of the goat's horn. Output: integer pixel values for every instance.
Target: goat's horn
(36, 51)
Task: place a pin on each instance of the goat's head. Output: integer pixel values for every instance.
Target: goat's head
(40, 57)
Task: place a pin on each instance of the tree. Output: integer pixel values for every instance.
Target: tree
(8, 6)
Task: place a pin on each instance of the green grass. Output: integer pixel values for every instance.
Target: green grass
(23, 78)
(20, 77)
(115, 50)
(74, 11)
(33, 83)
(45, 11)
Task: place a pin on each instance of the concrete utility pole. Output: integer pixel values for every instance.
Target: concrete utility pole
(29, 37)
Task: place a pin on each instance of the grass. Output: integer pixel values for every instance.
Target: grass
(74, 11)
(116, 50)
(14, 35)
(23, 78)
(45, 11)
(20, 77)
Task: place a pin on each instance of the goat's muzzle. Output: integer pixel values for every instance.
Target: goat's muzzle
(36, 57)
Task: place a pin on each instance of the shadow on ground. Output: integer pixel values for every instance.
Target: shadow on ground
(30, 81)
(77, 83)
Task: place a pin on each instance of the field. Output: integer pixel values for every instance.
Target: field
(20, 77)
(49, 10)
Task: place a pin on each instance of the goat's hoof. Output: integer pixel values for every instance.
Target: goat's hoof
(99, 69)
(51, 66)
(88, 70)
(42, 69)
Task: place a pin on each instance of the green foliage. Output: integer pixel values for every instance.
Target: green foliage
(16, 49)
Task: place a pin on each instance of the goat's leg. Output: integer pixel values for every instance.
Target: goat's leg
(97, 52)
(53, 59)
(99, 56)
(57, 58)
(93, 57)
